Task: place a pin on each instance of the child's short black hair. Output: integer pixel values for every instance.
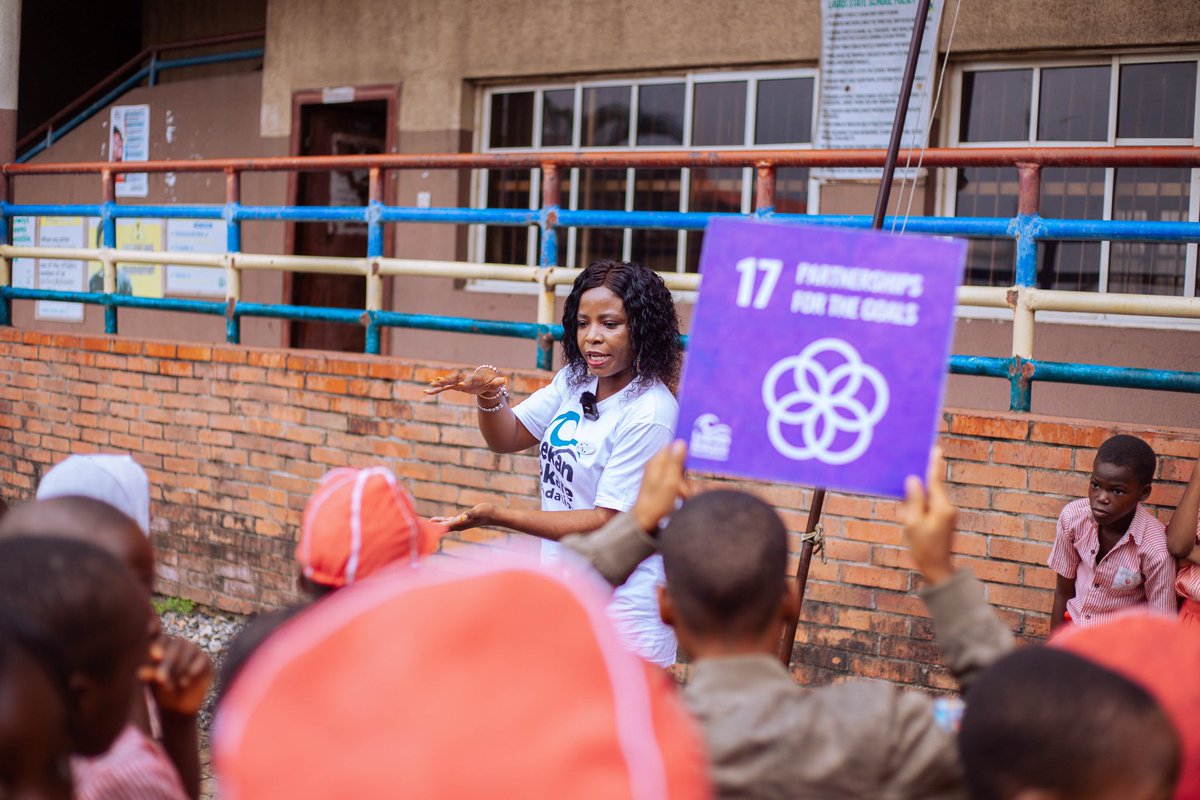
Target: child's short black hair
(1131, 452)
(87, 602)
(247, 641)
(725, 555)
(1047, 719)
(18, 634)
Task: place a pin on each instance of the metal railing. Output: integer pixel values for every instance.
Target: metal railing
(145, 66)
(1026, 229)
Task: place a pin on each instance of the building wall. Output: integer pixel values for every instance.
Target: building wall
(205, 118)
(441, 54)
(235, 439)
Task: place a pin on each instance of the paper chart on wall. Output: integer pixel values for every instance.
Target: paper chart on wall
(129, 140)
(146, 235)
(63, 275)
(195, 236)
(24, 270)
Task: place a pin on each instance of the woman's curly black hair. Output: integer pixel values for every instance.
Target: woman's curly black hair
(653, 322)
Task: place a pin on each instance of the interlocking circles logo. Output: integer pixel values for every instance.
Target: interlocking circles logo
(830, 403)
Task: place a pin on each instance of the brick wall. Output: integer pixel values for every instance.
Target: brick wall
(235, 439)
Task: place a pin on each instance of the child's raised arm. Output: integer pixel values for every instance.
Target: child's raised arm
(1181, 533)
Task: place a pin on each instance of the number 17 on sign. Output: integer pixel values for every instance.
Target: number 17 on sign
(749, 268)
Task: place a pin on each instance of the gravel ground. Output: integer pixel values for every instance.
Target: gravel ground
(211, 631)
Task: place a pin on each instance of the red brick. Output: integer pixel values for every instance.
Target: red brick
(1019, 597)
(1069, 434)
(1023, 551)
(1064, 484)
(175, 368)
(1024, 502)
(876, 577)
(955, 447)
(987, 475)
(992, 427)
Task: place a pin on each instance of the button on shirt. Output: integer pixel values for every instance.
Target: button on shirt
(1137, 571)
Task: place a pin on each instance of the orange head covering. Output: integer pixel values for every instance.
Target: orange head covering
(456, 680)
(358, 521)
(1163, 657)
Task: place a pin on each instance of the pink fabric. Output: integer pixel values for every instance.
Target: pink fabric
(1187, 584)
(134, 768)
(1138, 571)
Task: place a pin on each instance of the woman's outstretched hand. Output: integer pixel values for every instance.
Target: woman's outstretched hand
(475, 517)
(484, 379)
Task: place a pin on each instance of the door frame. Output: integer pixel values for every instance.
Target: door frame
(339, 96)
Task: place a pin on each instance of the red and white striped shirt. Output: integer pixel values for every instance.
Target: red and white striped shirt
(1139, 570)
(134, 768)
(1188, 582)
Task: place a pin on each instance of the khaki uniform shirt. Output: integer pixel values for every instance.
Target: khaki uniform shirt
(770, 738)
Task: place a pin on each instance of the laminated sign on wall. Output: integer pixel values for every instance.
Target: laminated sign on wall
(864, 46)
(818, 355)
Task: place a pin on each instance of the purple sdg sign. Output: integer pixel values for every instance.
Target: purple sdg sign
(818, 355)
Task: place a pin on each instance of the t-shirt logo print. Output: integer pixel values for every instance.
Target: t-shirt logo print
(833, 409)
(559, 458)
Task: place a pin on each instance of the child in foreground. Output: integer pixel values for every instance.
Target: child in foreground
(172, 682)
(1110, 554)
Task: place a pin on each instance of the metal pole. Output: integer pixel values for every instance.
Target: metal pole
(881, 202)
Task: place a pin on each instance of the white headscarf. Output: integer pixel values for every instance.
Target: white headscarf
(117, 480)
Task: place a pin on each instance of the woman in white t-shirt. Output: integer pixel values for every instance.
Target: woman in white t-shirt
(608, 410)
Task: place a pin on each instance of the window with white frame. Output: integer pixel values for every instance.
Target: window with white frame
(1119, 100)
(726, 110)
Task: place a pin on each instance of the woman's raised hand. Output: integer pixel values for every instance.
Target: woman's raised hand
(483, 380)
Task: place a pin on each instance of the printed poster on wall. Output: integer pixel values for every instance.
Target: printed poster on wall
(864, 46)
(195, 236)
(146, 235)
(24, 234)
(818, 355)
(129, 140)
(61, 275)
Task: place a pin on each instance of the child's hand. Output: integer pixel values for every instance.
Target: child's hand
(179, 674)
(929, 519)
(663, 485)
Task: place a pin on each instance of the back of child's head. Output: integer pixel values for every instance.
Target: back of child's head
(247, 642)
(1043, 719)
(90, 605)
(1160, 654)
(85, 519)
(114, 479)
(725, 557)
(356, 523)
(35, 737)
(1131, 453)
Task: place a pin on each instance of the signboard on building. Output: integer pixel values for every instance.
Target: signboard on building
(195, 236)
(129, 140)
(60, 275)
(864, 46)
(818, 355)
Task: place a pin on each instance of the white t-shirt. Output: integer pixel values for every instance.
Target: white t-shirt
(588, 463)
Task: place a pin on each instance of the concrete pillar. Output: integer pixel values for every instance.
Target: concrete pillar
(10, 61)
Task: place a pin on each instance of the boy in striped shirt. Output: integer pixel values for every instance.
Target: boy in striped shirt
(1111, 554)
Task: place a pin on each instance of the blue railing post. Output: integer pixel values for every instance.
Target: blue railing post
(108, 230)
(5, 303)
(548, 251)
(152, 78)
(374, 217)
(233, 244)
(1027, 230)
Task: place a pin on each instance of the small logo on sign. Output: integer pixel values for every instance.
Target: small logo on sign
(711, 438)
(832, 409)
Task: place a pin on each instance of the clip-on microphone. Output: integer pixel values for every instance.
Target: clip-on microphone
(590, 409)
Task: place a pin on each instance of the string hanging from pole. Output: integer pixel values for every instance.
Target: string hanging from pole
(933, 112)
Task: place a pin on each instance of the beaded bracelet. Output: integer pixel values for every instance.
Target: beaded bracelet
(499, 394)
